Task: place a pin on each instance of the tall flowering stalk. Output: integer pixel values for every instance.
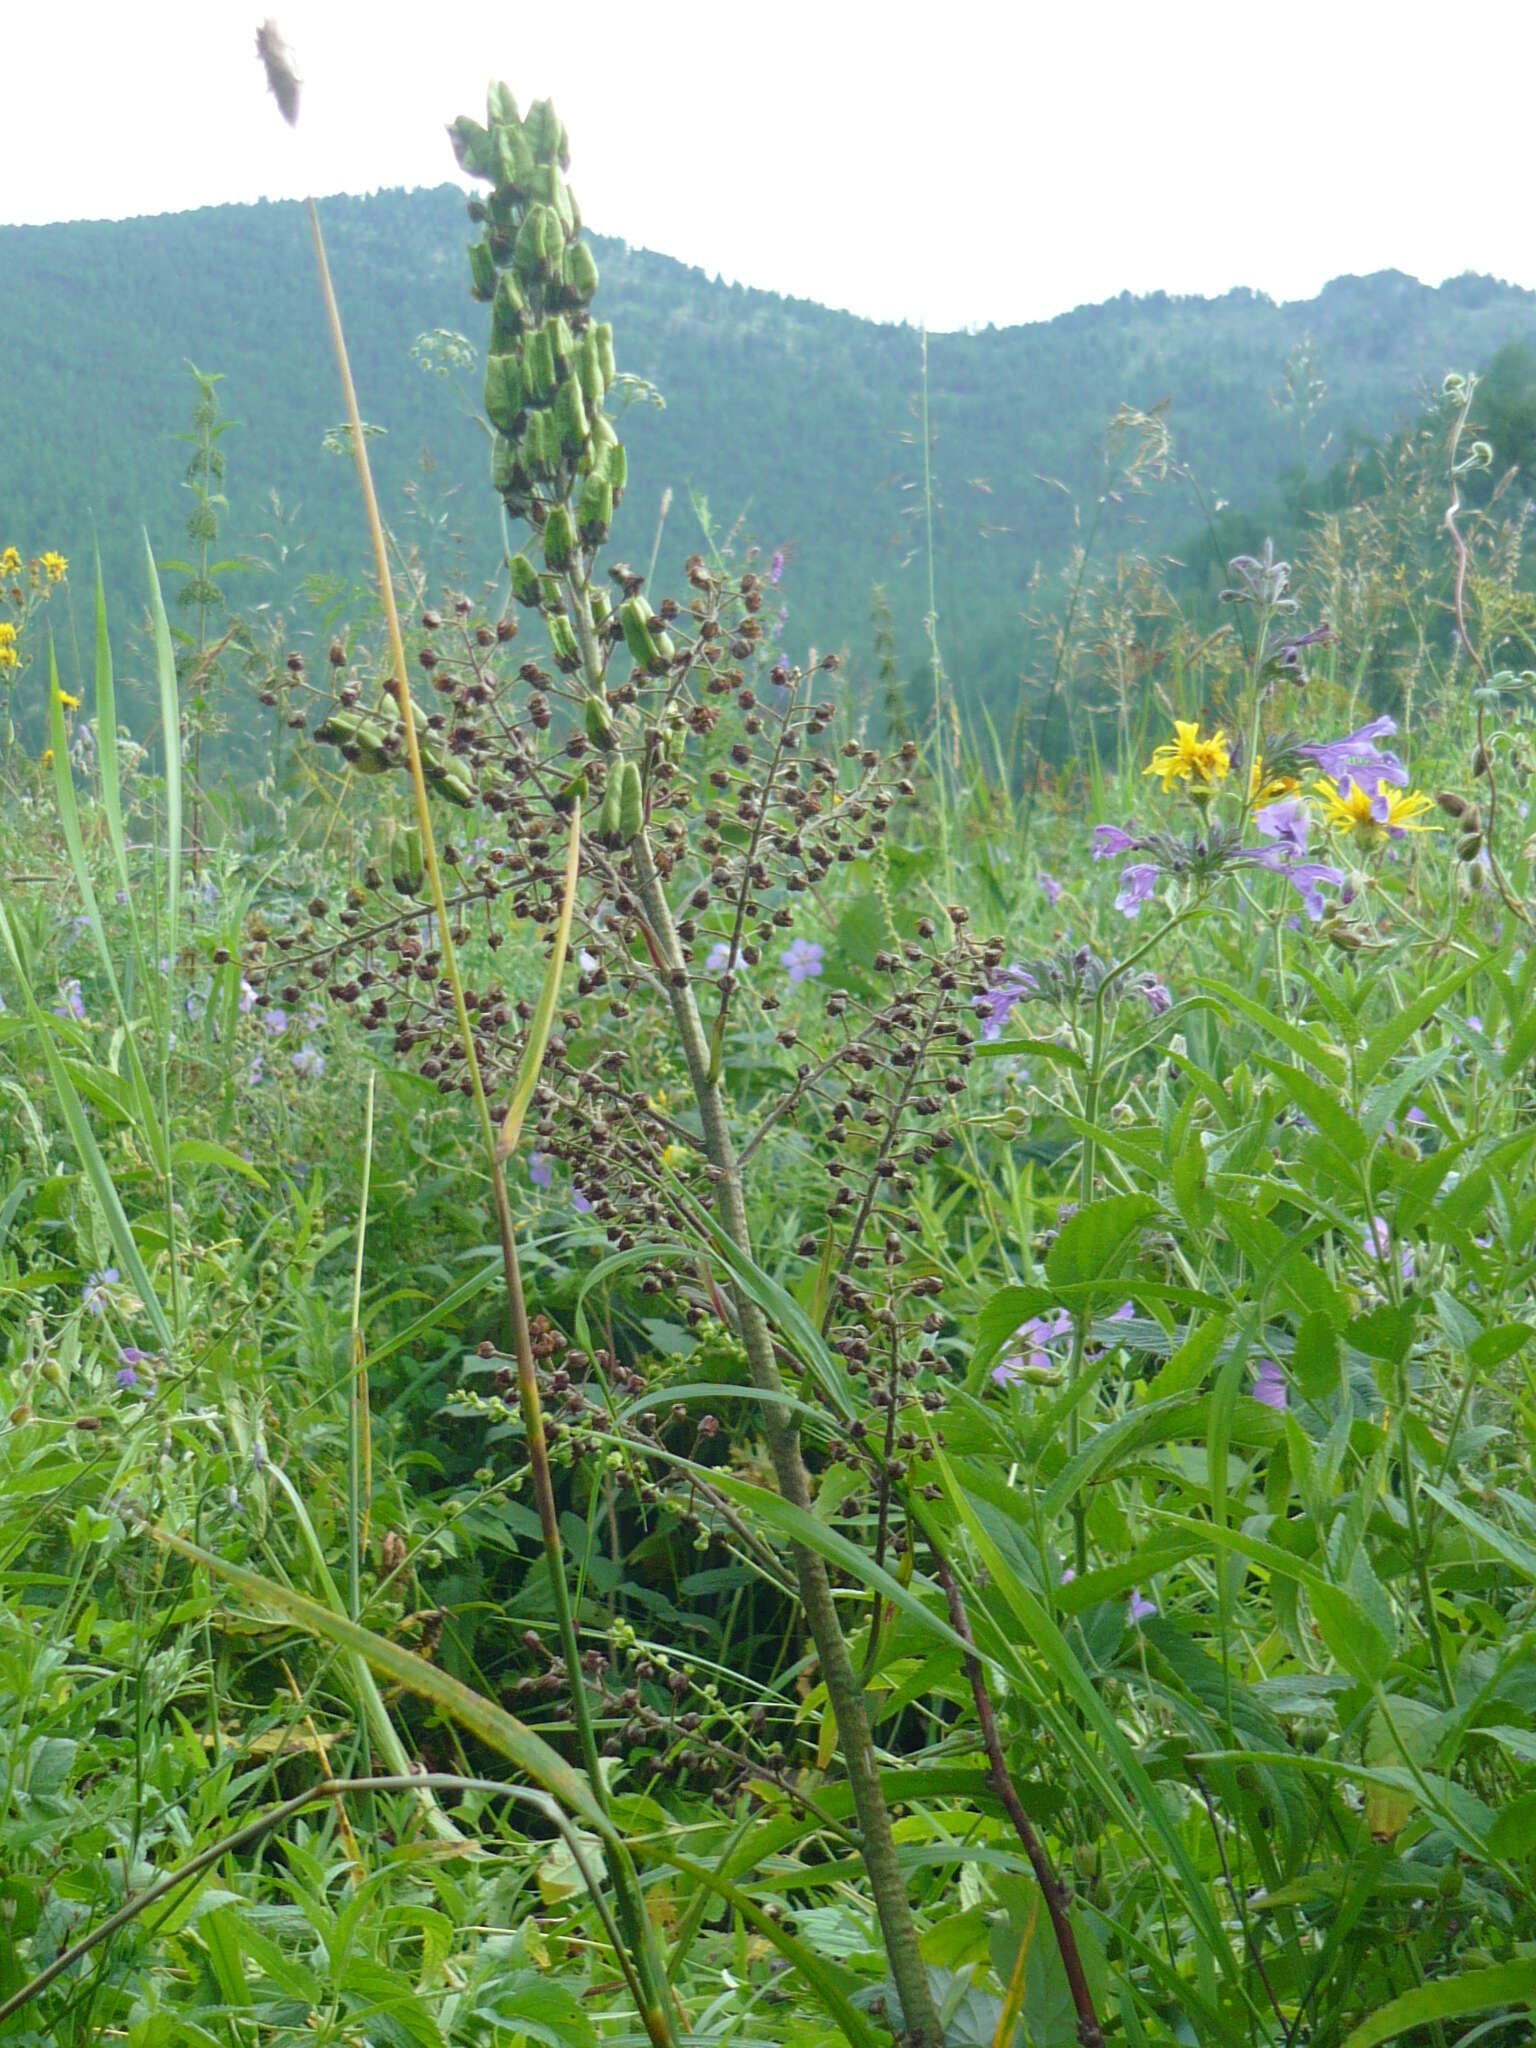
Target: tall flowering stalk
(653, 1993)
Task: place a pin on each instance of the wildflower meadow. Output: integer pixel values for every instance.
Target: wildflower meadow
(695, 1351)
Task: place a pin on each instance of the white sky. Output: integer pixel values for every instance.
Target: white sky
(955, 161)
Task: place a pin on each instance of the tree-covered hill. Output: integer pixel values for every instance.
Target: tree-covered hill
(801, 423)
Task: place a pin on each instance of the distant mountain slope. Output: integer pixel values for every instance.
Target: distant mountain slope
(803, 420)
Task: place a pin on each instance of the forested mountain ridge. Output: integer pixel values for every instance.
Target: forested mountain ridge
(800, 422)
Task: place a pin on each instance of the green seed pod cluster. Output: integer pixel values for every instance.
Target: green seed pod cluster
(623, 808)
(550, 365)
(362, 738)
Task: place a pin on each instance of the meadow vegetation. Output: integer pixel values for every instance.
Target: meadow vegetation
(698, 1350)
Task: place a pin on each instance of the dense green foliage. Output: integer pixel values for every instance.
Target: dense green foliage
(830, 471)
(957, 1468)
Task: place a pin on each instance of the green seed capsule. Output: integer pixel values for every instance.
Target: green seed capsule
(506, 471)
(525, 581)
(406, 867)
(513, 157)
(559, 539)
(528, 249)
(482, 271)
(500, 106)
(507, 311)
(538, 366)
(602, 336)
(549, 594)
(589, 372)
(617, 470)
(503, 390)
(571, 416)
(472, 147)
(635, 619)
(553, 233)
(631, 802)
(546, 134)
(580, 272)
(563, 342)
(562, 641)
(608, 815)
(598, 719)
(594, 510)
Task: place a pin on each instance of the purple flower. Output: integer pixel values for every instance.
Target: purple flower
(71, 1003)
(275, 1023)
(1136, 884)
(1140, 1609)
(1286, 822)
(776, 566)
(719, 959)
(994, 1004)
(1109, 842)
(96, 1294)
(1269, 1388)
(1358, 755)
(802, 960)
(1308, 878)
(1378, 1245)
(1416, 1115)
(1068, 1574)
(1033, 1337)
(541, 1169)
(580, 1203)
(309, 1062)
(1159, 1002)
(126, 1377)
(256, 1072)
(1050, 889)
(132, 1355)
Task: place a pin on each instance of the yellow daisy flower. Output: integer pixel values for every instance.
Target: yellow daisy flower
(1188, 758)
(9, 658)
(55, 567)
(1373, 815)
(10, 562)
(70, 703)
(675, 1156)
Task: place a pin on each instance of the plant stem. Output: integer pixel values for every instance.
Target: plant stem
(844, 1692)
(1056, 1895)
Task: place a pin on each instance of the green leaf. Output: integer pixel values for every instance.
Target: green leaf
(1095, 1244)
(204, 1152)
(1386, 1043)
(1448, 1998)
(1315, 1359)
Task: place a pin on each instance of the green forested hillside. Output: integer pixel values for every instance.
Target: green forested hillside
(802, 423)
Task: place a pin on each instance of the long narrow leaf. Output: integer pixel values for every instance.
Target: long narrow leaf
(170, 734)
(549, 996)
